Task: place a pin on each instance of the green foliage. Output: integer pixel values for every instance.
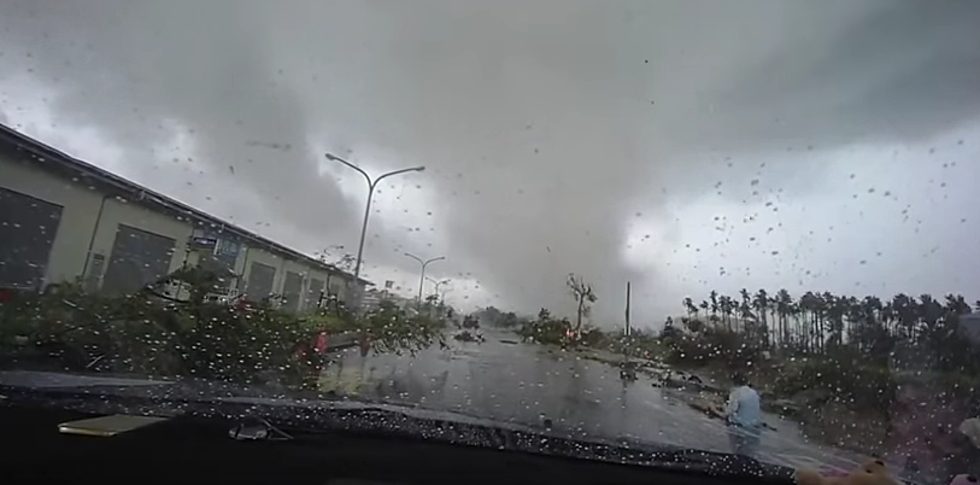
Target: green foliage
(494, 317)
(824, 346)
(150, 333)
(470, 322)
(469, 330)
(391, 329)
(330, 322)
(701, 344)
(904, 332)
(595, 338)
(858, 386)
(547, 329)
(142, 333)
(639, 343)
(468, 336)
(197, 281)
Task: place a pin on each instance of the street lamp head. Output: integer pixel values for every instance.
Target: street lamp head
(332, 157)
(419, 169)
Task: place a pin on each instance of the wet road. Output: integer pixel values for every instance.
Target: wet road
(528, 384)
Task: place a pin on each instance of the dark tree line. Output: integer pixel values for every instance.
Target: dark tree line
(904, 327)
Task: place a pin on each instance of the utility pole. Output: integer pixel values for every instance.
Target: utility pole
(372, 183)
(627, 328)
(627, 371)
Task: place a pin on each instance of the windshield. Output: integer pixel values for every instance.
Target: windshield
(741, 227)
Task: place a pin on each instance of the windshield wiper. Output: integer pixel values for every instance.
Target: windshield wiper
(258, 429)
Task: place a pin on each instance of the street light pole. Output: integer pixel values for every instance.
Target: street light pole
(424, 263)
(438, 283)
(367, 212)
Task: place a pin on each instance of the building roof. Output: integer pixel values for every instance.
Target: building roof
(55, 160)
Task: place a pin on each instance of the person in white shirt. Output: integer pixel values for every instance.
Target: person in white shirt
(743, 416)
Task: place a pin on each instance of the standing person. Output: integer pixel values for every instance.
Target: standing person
(743, 416)
(965, 457)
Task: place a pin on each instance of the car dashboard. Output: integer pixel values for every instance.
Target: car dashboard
(205, 449)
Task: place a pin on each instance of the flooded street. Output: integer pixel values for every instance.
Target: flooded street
(534, 385)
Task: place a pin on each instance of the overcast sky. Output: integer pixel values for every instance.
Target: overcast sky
(684, 146)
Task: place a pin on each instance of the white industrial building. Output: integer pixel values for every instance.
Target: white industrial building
(62, 219)
(371, 300)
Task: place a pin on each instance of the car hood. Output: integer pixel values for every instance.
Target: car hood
(317, 412)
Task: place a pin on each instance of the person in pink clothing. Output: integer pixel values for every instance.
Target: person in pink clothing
(321, 343)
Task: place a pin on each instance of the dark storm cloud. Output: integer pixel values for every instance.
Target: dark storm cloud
(551, 131)
(148, 75)
(896, 71)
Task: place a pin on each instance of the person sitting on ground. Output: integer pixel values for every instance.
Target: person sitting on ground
(743, 416)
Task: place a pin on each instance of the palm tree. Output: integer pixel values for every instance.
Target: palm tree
(808, 308)
(745, 307)
(855, 314)
(826, 330)
(957, 304)
(823, 321)
(835, 319)
(871, 310)
(888, 315)
(933, 331)
(905, 311)
(745, 311)
(784, 303)
(713, 297)
(773, 327)
(873, 305)
(725, 302)
(930, 311)
(761, 305)
(721, 310)
(689, 306)
(842, 306)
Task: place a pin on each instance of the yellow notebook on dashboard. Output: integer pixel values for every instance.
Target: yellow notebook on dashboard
(107, 426)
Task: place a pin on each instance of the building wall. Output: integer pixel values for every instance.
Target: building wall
(90, 217)
(295, 267)
(303, 270)
(241, 267)
(308, 272)
(80, 208)
(117, 211)
(210, 255)
(313, 296)
(340, 287)
(260, 255)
